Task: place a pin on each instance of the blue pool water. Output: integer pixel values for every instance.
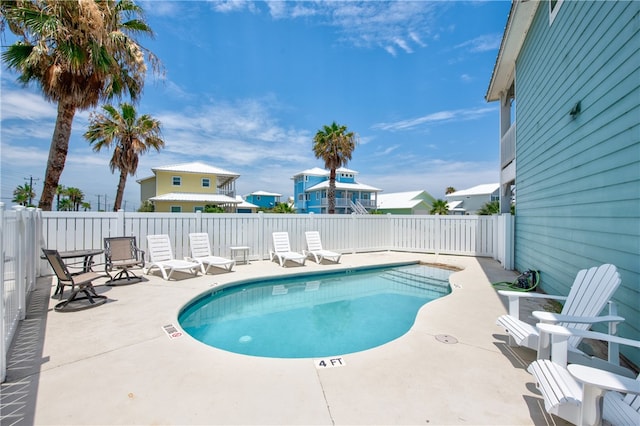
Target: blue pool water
(314, 316)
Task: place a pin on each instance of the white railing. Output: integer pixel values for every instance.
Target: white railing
(357, 208)
(508, 146)
(24, 232)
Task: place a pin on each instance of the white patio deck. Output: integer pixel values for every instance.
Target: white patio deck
(116, 365)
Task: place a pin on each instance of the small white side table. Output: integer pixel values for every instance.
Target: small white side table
(240, 249)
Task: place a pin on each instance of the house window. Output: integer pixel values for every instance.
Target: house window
(258, 197)
(176, 181)
(300, 197)
(206, 182)
(317, 195)
(176, 209)
(554, 6)
(306, 178)
(198, 209)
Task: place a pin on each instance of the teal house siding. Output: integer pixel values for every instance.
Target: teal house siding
(577, 86)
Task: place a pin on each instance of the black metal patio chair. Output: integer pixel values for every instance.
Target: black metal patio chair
(123, 254)
(81, 282)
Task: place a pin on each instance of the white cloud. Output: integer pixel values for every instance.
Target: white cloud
(22, 105)
(226, 6)
(482, 43)
(436, 117)
(241, 133)
(365, 24)
(388, 150)
(433, 176)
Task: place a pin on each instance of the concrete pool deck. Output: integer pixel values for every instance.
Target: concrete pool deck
(115, 364)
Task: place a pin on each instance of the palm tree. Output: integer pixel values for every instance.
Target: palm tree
(334, 145)
(23, 194)
(450, 190)
(439, 207)
(60, 191)
(78, 53)
(283, 208)
(147, 206)
(130, 136)
(76, 197)
(85, 206)
(65, 205)
(489, 208)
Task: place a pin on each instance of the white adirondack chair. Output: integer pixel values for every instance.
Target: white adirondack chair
(201, 253)
(581, 394)
(314, 248)
(161, 257)
(590, 292)
(282, 250)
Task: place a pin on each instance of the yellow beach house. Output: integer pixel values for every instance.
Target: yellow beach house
(189, 187)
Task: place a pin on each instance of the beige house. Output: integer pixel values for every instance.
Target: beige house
(189, 187)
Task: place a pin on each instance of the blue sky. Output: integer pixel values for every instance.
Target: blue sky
(247, 85)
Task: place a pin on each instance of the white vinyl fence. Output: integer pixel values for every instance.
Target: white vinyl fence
(19, 251)
(24, 232)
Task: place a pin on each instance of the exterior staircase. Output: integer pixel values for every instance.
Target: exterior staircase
(357, 207)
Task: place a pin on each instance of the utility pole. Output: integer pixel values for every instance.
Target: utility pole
(30, 186)
(98, 195)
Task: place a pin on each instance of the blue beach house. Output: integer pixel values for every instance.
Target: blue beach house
(264, 199)
(310, 189)
(568, 73)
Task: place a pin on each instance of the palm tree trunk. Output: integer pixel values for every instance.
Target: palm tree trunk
(120, 191)
(332, 191)
(57, 153)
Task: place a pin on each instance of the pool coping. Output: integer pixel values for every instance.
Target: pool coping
(302, 277)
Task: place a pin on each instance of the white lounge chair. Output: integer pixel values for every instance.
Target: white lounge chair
(282, 250)
(201, 253)
(314, 248)
(590, 292)
(585, 395)
(161, 257)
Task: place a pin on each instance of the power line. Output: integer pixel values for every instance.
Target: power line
(30, 187)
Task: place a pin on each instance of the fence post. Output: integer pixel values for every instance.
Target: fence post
(437, 232)
(261, 236)
(30, 239)
(353, 233)
(39, 241)
(199, 221)
(20, 264)
(3, 352)
(509, 244)
(390, 235)
(121, 230)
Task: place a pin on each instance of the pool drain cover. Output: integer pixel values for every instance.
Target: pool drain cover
(445, 338)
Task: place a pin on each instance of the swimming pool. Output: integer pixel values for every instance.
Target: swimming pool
(317, 315)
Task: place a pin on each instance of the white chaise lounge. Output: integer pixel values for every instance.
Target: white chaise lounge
(201, 253)
(161, 257)
(314, 248)
(282, 250)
